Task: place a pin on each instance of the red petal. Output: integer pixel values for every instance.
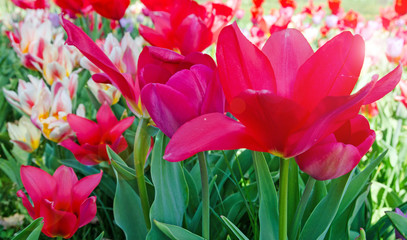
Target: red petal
(241, 64)
(105, 118)
(119, 129)
(65, 178)
(27, 204)
(332, 71)
(213, 131)
(38, 183)
(193, 35)
(87, 211)
(57, 223)
(286, 50)
(86, 130)
(81, 154)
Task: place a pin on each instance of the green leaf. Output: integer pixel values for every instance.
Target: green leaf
(127, 210)
(100, 237)
(235, 230)
(358, 183)
(176, 232)
(171, 190)
(325, 211)
(399, 222)
(31, 232)
(268, 212)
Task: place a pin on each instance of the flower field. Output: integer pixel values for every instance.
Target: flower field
(192, 120)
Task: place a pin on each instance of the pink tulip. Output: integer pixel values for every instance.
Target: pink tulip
(94, 137)
(31, 4)
(60, 199)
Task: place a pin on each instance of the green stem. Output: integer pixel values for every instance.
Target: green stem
(205, 195)
(284, 164)
(301, 207)
(141, 146)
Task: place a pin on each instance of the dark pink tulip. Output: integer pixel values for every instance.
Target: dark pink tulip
(94, 137)
(340, 152)
(186, 95)
(60, 199)
(286, 97)
(112, 9)
(185, 25)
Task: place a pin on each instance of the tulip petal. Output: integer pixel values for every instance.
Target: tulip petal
(81, 154)
(38, 183)
(105, 117)
(119, 128)
(84, 187)
(287, 50)
(241, 64)
(87, 211)
(56, 222)
(193, 35)
(86, 130)
(27, 204)
(332, 71)
(213, 131)
(168, 107)
(65, 178)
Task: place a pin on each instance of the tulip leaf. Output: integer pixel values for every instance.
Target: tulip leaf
(399, 222)
(235, 230)
(171, 190)
(100, 237)
(176, 233)
(31, 232)
(127, 210)
(268, 212)
(358, 183)
(324, 213)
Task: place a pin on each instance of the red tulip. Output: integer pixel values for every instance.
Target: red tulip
(334, 5)
(351, 19)
(286, 97)
(31, 4)
(370, 110)
(60, 199)
(158, 5)
(288, 3)
(188, 27)
(73, 7)
(400, 6)
(94, 137)
(112, 9)
(339, 152)
(403, 89)
(187, 94)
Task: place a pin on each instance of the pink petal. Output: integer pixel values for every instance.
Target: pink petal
(56, 222)
(332, 71)
(105, 118)
(193, 35)
(119, 129)
(213, 131)
(241, 64)
(84, 188)
(86, 130)
(168, 107)
(87, 211)
(27, 204)
(81, 154)
(38, 183)
(65, 178)
(287, 50)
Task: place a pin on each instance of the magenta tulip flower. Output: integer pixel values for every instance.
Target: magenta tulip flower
(286, 97)
(93, 138)
(60, 199)
(339, 152)
(187, 94)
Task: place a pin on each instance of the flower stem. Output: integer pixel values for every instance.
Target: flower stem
(205, 195)
(284, 164)
(301, 207)
(141, 146)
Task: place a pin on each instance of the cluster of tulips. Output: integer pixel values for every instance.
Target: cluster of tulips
(197, 87)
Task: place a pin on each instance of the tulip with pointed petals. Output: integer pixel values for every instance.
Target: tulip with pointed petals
(188, 26)
(60, 199)
(94, 137)
(286, 97)
(73, 7)
(112, 9)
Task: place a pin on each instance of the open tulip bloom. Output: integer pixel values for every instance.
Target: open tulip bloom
(60, 199)
(288, 100)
